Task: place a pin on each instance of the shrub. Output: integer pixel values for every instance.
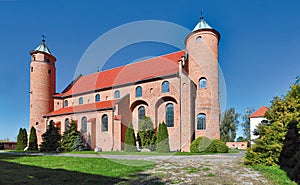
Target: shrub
(162, 139)
(221, 147)
(206, 145)
(130, 141)
(32, 140)
(51, 139)
(194, 145)
(203, 145)
(147, 133)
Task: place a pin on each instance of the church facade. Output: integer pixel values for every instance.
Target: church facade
(180, 89)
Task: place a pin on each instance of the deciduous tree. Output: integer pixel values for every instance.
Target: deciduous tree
(228, 125)
(147, 133)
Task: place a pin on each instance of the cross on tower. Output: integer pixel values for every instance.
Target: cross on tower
(43, 36)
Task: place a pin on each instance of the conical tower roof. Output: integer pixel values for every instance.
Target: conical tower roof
(43, 47)
(202, 24)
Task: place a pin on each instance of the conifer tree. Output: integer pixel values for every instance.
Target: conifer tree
(162, 139)
(147, 134)
(273, 134)
(32, 140)
(21, 139)
(51, 139)
(72, 139)
(130, 141)
(20, 145)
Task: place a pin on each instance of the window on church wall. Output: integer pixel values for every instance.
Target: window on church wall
(201, 121)
(104, 121)
(117, 94)
(80, 100)
(138, 91)
(141, 113)
(97, 98)
(202, 83)
(66, 103)
(49, 71)
(84, 125)
(170, 115)
(67, 122)
(165, 87)
(31, 69)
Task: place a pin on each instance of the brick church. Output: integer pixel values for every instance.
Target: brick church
(180, 89)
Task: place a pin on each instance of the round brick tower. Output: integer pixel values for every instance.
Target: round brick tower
(42, 87)
(203, 69)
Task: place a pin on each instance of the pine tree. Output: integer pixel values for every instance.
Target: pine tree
(147, 133)
(25, 137)
(72, 139)
(51, 139)
(33, 146)
(162, 139)
(130, 141)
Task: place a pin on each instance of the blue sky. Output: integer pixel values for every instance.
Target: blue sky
(258, 52)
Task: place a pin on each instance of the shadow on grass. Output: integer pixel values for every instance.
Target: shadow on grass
(15, 174)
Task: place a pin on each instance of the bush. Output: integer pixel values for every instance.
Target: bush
(205, 145)
(202, 144)
(33, 146)
(162, 139)
(130, 142)
(147, 134)
(221, 147)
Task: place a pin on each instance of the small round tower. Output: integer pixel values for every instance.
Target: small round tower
(203, 69)
(42, 86)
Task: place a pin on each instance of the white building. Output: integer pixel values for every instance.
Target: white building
(256, 118)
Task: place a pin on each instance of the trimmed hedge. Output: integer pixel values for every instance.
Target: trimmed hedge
(205, 145)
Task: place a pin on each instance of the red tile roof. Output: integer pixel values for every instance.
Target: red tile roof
(147, 69)
(83, 108)
(259, 113)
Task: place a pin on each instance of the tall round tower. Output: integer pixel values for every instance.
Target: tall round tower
(203, 69)
(42, 86)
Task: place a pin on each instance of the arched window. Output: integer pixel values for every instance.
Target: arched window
(104, 123)
(67, 126)
(66, 103)
(117, 94)
(97, 98)
(165, 87)
(80, 100)
(170, 115)
(83, 124)
(141, 112)
(138, 91)
(202, 83)
(201, 121)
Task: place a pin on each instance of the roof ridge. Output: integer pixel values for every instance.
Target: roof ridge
(160, 56)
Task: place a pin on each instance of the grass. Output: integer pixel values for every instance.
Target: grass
(275, 174)
(66, 170)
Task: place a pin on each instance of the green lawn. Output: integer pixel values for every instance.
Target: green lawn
(275, 174)
(66, 170)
